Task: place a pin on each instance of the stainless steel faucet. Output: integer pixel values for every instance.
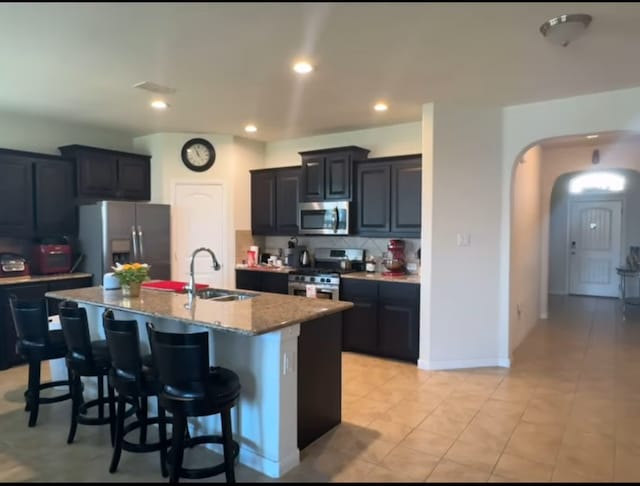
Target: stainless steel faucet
(191, 288)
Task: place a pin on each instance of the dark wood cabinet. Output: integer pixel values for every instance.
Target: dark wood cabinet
(326, 173)
(262, 281)
(274, 201)
(37, 195)
(55, 207)
(8, 355)
(389, 196)
(110, 174)
(384, 320)
(16, 196)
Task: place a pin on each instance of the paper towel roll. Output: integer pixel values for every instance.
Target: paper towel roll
(110, 281)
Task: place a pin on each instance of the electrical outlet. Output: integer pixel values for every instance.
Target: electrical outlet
(463, 239)
(288, 362)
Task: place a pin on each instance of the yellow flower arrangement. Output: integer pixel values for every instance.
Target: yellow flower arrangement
(131, 273)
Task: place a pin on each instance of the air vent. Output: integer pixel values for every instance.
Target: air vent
(154, 87)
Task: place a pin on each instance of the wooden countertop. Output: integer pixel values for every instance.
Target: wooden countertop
(42, 278)
(261, 314)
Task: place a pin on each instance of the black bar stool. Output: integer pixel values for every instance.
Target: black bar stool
(37, 344)
(190, 388)
(134, 379)
(86, 358)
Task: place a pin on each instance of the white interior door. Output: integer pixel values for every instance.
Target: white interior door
(197, 221)
(595, 229)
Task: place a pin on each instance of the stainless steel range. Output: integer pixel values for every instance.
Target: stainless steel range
(323, 280)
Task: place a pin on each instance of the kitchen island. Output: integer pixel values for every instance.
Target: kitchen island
(285, 349)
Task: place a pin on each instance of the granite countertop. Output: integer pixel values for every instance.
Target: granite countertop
(410, 278)
(259, 315)
(42, 278)
(265, 268)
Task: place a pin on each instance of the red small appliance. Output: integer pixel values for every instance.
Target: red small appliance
(51, 258)
(394, 260)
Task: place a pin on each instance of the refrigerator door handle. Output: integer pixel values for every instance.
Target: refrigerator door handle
(134, 243)
(140, 247)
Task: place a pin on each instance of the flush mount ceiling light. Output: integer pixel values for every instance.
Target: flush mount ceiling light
(302, 67)
(565, 28)
(250, 128)
(159, 105)
(380, 106)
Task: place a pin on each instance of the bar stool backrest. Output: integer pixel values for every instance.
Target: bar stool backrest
(30, 321)
(123, 341)
(75, 328)
(181, 359)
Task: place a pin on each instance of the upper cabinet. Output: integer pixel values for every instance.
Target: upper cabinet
(274, 201)
(37, 194)
(389, 196)
(110, 174)
(326, 173)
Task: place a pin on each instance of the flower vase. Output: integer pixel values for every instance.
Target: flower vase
(131, 290)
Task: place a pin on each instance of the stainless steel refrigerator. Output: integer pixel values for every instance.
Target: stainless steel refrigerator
(124, 232)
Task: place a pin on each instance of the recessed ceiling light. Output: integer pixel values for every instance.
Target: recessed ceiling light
(159, 105)
(302, 67)
(380, 106)
(592, 136)
(251, 129)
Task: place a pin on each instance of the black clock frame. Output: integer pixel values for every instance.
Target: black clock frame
(198, 168)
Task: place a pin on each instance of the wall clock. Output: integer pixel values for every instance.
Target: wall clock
(198, 154)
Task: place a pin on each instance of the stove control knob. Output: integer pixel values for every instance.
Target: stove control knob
(313, 279)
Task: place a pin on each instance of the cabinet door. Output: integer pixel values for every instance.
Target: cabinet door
(313, 178)
(8, 355)
(398, 321)
(263, 203)
(406, 198)
(16, 197)
(56, 212)
(360, 323)
(134, 178)
(97, 175)
(248, 280)
(278, 283)
(373, 188)
(75, 283)
(287, 196)
(338, 176)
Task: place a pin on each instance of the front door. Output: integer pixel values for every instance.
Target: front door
(197, 221)
(594, 247)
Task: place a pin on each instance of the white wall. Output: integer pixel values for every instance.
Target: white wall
(526, 125)
(386, 141)
(526, 237)
(45, 135)
(462, 326)
(234, 158)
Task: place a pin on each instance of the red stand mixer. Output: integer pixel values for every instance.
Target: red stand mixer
(394, 260)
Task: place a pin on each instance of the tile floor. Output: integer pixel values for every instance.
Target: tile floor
(567, 410)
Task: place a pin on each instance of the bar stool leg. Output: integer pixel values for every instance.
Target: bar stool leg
(177, 447)
(117, 450)
(225, 418)
(75, 385)
(144, 410)
(112, 413)
(163, 438)
(33, 393)
(101, 397)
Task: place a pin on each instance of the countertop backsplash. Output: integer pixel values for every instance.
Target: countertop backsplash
(373, 246)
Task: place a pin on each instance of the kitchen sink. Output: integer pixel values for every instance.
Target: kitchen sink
(222, 295)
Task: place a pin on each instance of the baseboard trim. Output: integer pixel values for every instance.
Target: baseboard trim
(266, 466)
(544, 315)
(463, 363)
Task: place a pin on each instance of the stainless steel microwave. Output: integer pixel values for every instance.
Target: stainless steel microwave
(323, 218)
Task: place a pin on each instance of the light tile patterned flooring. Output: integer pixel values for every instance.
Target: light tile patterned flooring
(567, 410)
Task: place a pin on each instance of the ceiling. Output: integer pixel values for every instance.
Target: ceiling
(231, 63)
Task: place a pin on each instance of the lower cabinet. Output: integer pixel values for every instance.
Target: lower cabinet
(384, 320)
(262, 281)
(8, 355)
